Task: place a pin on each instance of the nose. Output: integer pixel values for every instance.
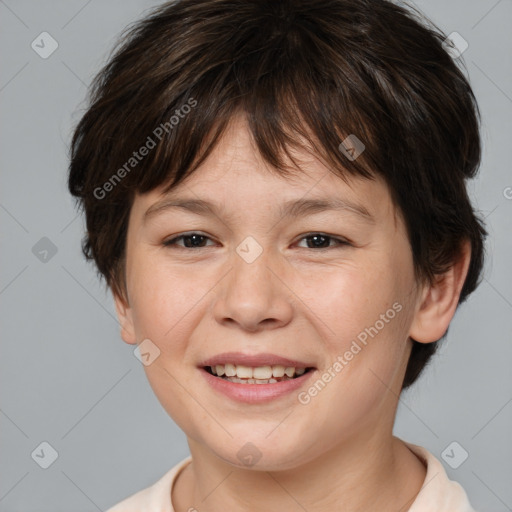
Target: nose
(255, 295)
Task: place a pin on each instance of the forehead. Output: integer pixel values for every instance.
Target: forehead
(236, 175)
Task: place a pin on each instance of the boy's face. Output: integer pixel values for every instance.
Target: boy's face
(307, 299)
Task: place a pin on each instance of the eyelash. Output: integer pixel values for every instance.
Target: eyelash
(340, 241)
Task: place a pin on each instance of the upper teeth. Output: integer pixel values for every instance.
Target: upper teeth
(259, 372)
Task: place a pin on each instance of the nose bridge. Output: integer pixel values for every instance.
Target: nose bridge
(252, 265)
(252, 293)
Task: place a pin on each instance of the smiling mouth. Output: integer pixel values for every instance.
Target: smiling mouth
(242, 374)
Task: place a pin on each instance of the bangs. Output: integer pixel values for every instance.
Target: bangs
(285, 104)
(301, 80)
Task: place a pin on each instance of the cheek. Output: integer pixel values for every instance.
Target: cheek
(347, 300)
(164, 300)
(165, 305)
(364, 315)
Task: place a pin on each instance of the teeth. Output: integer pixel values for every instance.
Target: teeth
(244, 372)
(277, 371)
(289, 371)
(262, 374)
(230, 370)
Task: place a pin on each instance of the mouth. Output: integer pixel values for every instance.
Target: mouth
(266, 374)
(255, 378)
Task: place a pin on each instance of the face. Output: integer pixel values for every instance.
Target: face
(330, 289)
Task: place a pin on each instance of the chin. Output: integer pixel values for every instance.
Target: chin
(261, 452)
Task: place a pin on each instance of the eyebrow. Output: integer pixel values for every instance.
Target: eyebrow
(293, 208)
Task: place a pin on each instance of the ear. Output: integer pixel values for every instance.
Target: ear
(124, 315)
(439, 301)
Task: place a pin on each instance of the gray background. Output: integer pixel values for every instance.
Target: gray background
(67, 378)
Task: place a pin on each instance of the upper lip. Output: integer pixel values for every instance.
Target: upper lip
(263, 359)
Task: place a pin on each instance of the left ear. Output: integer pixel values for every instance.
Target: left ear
(439, 300)
(124, 314)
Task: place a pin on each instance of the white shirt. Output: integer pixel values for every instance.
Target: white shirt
(438, 493)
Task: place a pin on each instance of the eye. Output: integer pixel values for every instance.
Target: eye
(191, 240)
(196, 240)
(321, 240)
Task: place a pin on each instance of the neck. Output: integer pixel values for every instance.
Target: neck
(364, 473)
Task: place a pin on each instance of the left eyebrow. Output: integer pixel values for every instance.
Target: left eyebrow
(293, 208)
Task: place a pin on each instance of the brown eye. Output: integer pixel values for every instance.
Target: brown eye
(190, 241)
(322, 241)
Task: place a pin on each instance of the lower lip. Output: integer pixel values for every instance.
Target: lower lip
(255, 393)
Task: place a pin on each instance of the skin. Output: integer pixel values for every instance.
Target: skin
(295, 300)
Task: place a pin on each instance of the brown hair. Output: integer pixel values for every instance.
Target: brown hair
(315, 70)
